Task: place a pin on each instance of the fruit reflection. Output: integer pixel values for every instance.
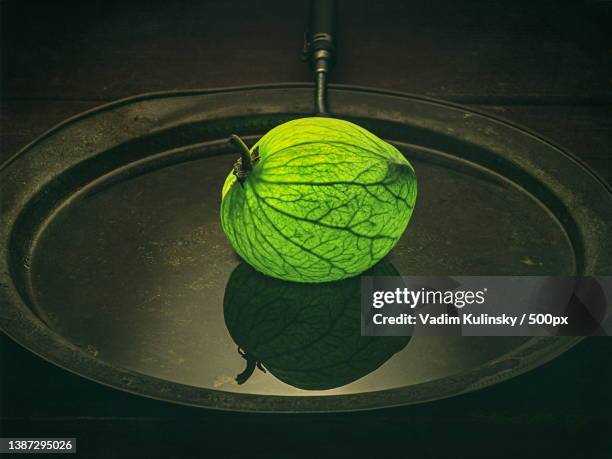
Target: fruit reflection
(306, 335)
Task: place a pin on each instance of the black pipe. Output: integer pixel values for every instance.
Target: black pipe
(320, 46)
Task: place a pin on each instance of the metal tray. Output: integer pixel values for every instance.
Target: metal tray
(114, 265)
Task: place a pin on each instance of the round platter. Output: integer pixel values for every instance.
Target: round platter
(114, 265)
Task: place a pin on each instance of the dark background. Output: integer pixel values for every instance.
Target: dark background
(544, 64)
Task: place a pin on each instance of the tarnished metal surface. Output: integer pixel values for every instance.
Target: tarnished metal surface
(114, 264)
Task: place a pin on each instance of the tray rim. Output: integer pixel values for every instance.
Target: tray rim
(302, 85)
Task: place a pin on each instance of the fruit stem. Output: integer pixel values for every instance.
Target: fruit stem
(251, 364)
(247, 372)
(244, 165)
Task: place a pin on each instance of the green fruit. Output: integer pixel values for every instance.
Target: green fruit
(317, 200)
(307, 337)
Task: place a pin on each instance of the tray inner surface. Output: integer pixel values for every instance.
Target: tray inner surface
(134, 267)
